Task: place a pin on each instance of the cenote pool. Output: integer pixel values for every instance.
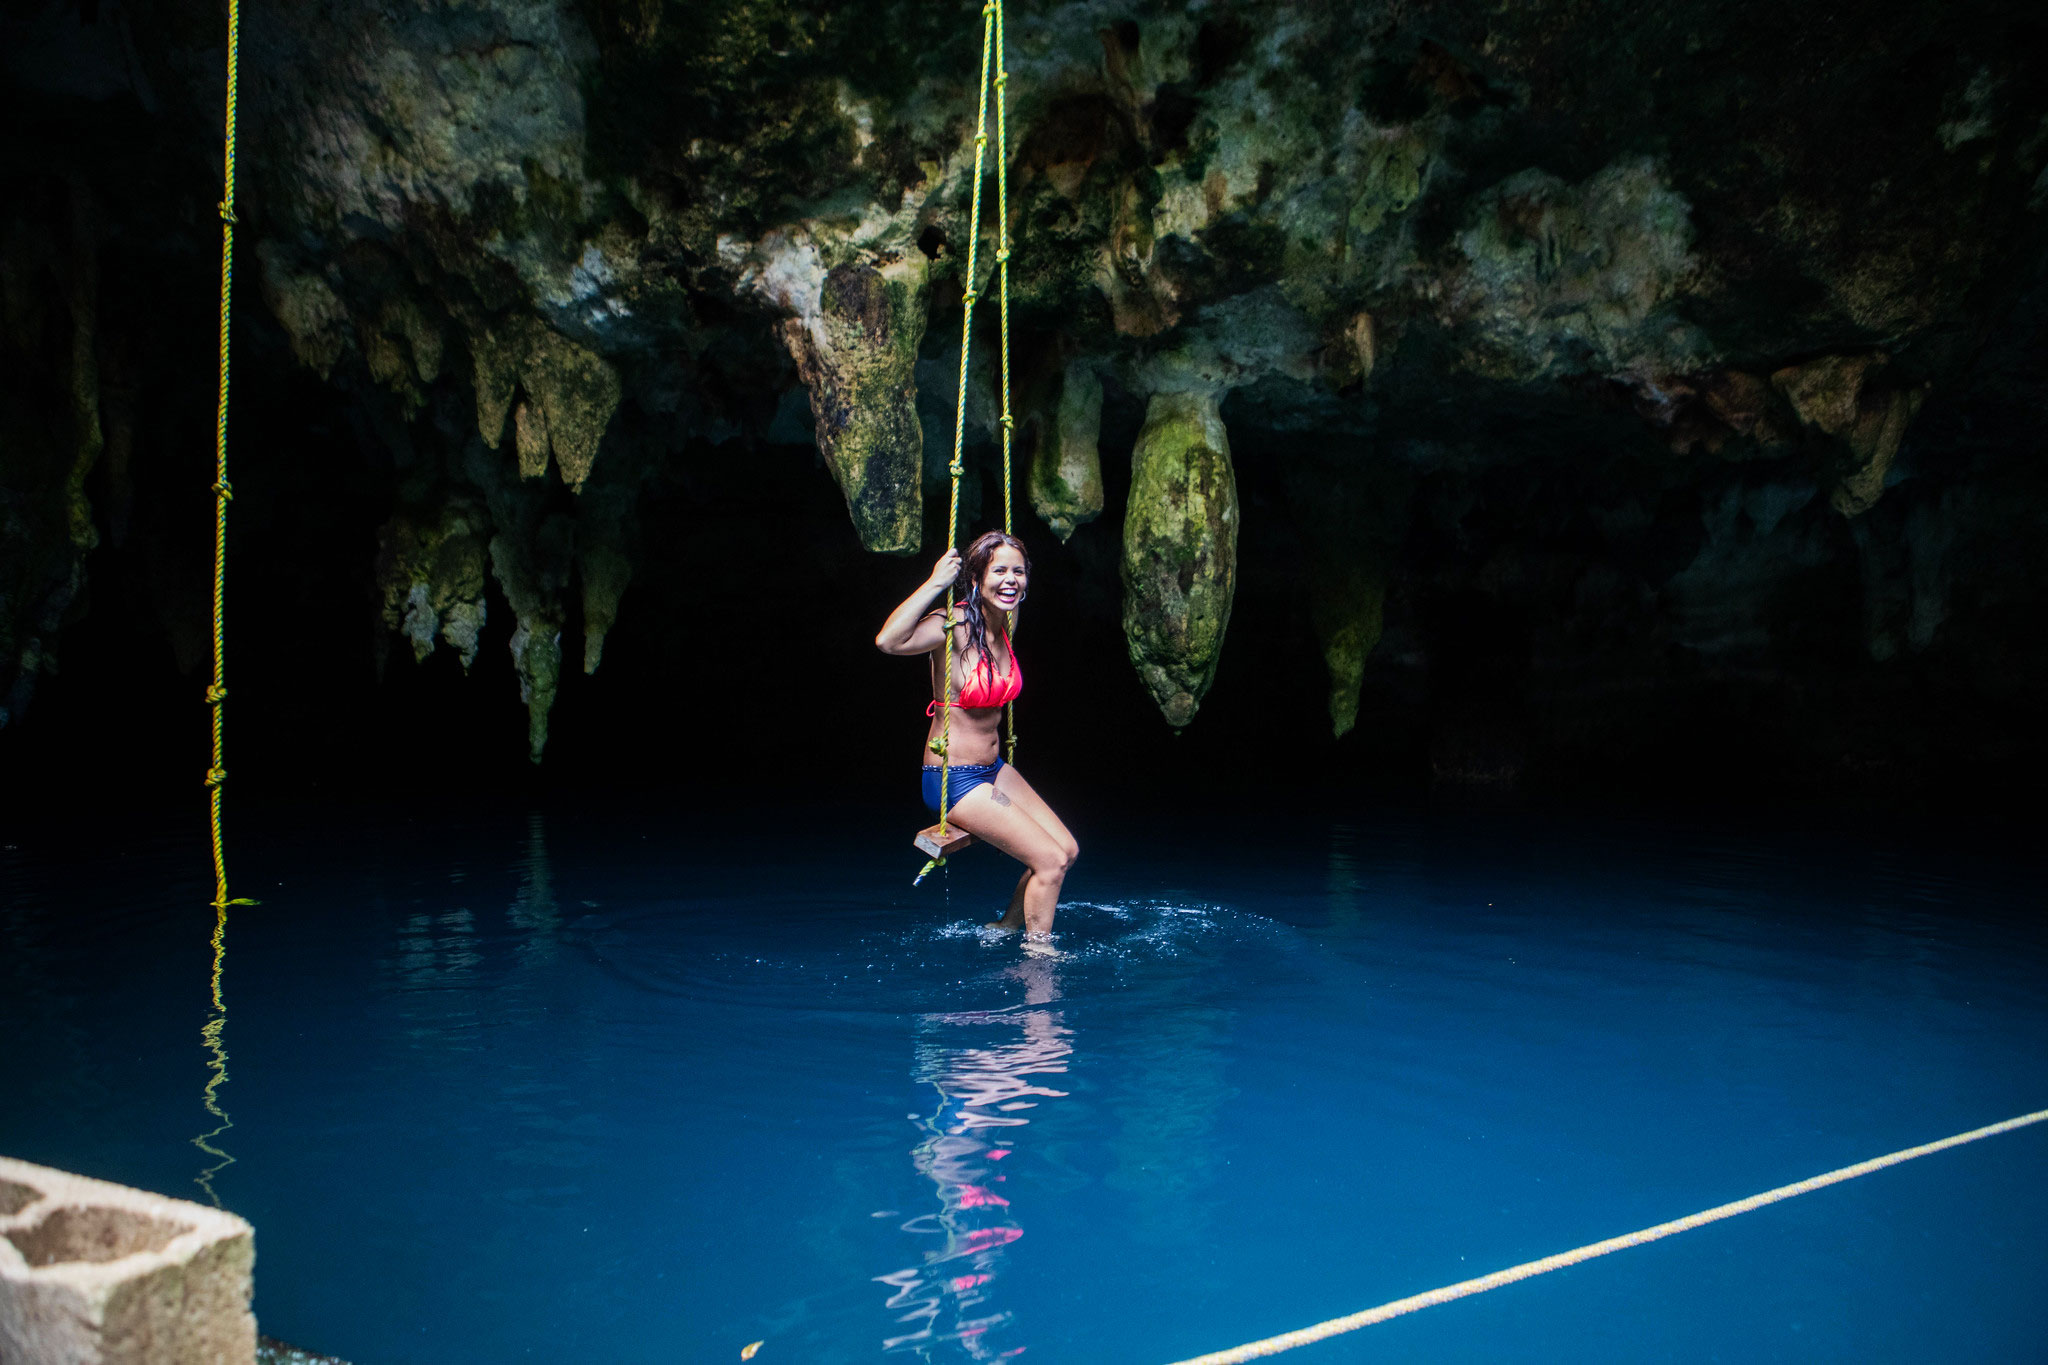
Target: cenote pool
(642, 1086)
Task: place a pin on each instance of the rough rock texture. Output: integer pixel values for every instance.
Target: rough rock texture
(856, 351)
(94, 1273)
(270, 1351)
(570, 392)
(1352, 516)
(432, 578)
(1066, 466)
(53, 422)
(1180, 551)
(1633, 354)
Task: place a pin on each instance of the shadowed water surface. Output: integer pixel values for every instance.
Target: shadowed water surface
(636, 1087)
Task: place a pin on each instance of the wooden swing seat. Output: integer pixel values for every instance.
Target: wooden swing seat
(933, 845)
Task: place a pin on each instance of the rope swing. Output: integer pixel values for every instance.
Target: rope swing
(940, 840)
(217, 693)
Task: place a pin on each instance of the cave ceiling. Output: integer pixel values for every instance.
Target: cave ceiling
(1639, 317)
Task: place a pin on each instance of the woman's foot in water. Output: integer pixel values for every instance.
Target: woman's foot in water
(1013, 918)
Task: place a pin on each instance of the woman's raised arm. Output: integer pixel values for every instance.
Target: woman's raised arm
(909, 629)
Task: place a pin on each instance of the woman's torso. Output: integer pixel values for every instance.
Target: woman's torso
(974, 735)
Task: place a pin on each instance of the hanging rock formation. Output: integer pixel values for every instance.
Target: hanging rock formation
(432, 579)
(1831, 395)
(1066, 467)
(536, 642)
(857, 355)
(571, 394)
(1353, 516)
(1180, 551)
(604, 563)
(1668, 355)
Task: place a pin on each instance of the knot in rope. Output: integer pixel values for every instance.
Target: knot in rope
(217, 774)
(970, 296)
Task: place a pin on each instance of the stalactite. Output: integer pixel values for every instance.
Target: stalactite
(857, 355)
(1180, 551)
(1066, 467)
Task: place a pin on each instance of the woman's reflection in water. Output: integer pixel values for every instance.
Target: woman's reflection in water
(984, 1091)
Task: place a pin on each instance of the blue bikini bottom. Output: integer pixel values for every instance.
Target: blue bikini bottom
(965, 778)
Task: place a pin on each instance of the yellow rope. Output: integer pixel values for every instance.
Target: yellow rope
(991, 54)
(1003, 307)
(988, 30)
(1322, 1331)
(217, 694)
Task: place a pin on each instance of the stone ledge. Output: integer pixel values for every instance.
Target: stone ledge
(93, 1273)
(270, 1351)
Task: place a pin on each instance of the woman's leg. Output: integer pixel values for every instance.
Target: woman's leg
(988, 813)
(1013, 918)
(1023, 795)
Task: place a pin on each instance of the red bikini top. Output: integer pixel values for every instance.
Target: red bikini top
(986, 687)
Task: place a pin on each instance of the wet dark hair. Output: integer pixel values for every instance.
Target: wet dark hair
(973, 566)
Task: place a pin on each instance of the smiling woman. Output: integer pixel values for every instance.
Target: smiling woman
(976, 677)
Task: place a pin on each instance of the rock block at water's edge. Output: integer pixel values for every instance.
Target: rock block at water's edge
(93, 1273)
(270, 1351)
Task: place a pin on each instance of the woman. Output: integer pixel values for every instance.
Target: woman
(986, 796)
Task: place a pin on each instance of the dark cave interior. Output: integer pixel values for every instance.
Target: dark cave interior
(1553, 547)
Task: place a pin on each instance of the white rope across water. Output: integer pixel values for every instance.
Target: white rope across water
(1322, 1331)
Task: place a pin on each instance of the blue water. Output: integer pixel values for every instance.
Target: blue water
(638, 1087)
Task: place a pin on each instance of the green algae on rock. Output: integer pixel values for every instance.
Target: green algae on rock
(1352, 513)
(1546, 259)
(857, 355)
(1348, 609)
(536, 642)
(571, 394)
(1568, 278)
(1180, 551)
(1066, 468)
(431, 575)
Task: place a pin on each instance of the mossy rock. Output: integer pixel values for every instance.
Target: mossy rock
(1180, 551)
(857, 355)
(1066, 467)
